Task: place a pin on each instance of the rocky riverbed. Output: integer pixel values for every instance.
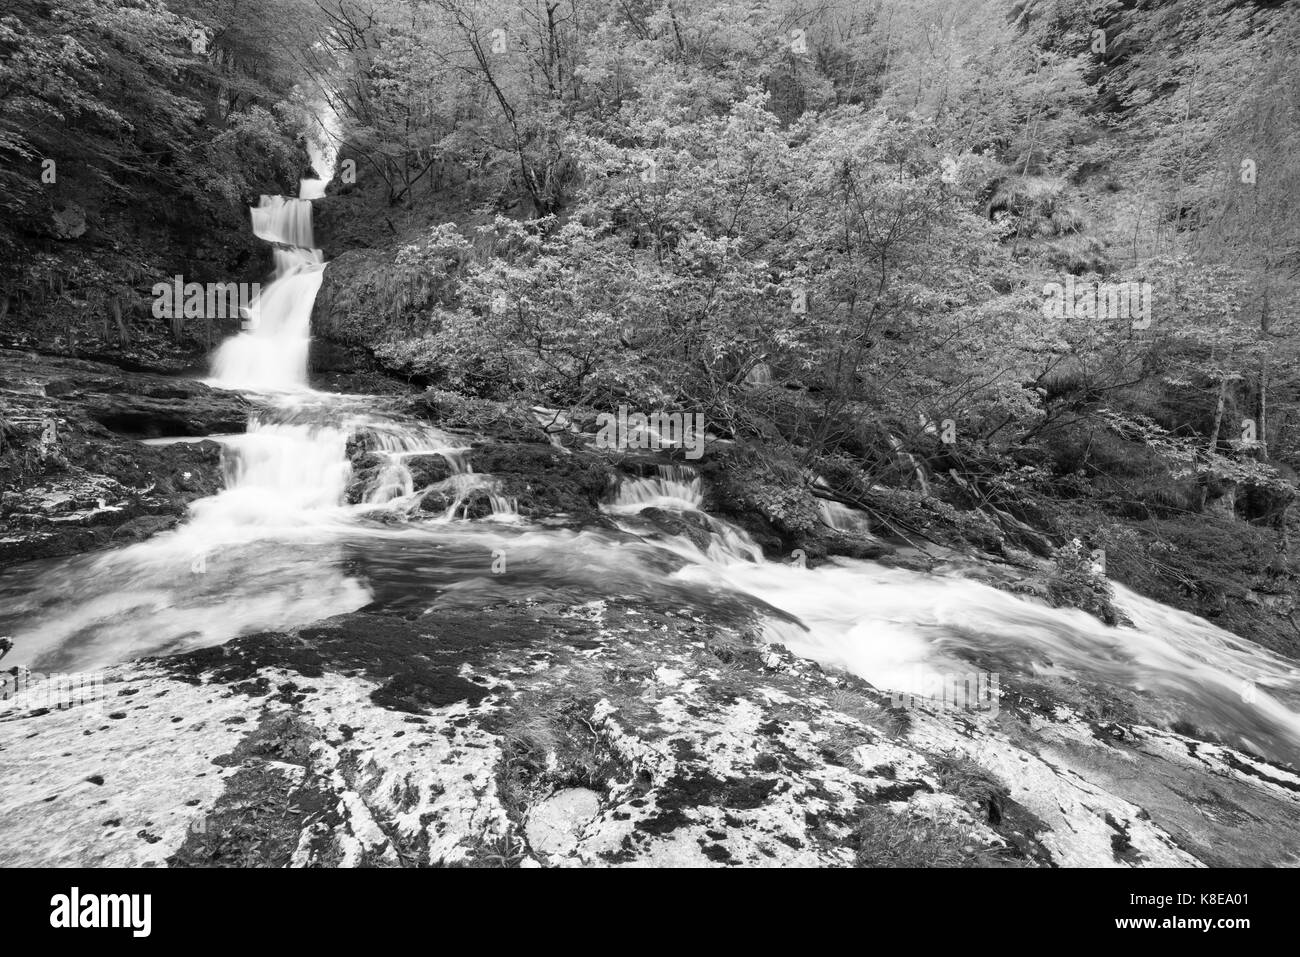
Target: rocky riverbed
(598, 718)
(600, 733)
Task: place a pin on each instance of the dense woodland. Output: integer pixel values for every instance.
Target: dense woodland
(827, 225)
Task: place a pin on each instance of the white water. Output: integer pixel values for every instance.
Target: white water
(271, 354)
(842, 518)
(675, 486)
(891, 625)
(888, 625)
(280, 548)
(276, 474)
(284, 221)
(323, 151)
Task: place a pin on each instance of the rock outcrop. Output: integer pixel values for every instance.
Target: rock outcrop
(522, 731)
(606, 733)
(74, 470)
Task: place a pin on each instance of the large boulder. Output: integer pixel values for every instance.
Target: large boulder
(544, 480)
(68, 221)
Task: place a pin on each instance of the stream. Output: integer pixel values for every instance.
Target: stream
(280, 547)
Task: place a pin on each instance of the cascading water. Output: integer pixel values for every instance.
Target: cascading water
(276, 472)
(280, 547)
(271, 354)
(674, 486)
(322, 149)
(283, 221)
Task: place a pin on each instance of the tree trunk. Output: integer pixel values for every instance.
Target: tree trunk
(123, 337)
(1262, 410)
(1214, 437)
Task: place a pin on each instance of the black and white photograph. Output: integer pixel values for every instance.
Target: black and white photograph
(648, 434)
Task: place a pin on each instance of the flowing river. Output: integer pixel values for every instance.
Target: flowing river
(279, 547)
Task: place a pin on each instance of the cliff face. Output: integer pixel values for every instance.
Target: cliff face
(132, 145)
(92, 294)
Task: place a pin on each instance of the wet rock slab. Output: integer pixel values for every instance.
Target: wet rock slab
(606, 733)
(141, 405)
(75, 474)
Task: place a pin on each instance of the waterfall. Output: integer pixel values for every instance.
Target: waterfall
(323, 150)
(674, 486)
(280, 547)
(276, 473)
(270, 355)
(917, 468)
(842, 518)
(283, 220)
